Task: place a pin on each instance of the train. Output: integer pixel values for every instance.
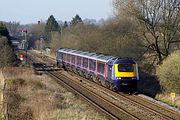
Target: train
(115, 73)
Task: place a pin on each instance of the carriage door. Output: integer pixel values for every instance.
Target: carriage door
(109, 71)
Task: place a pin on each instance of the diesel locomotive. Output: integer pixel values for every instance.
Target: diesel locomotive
(118, 74)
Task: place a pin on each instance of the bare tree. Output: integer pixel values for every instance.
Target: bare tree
(55, 41)
(13, 28)
(158, 22)
(36, 33)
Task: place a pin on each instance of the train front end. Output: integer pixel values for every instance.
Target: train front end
(126, 75)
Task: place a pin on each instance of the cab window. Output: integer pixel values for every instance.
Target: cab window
(125, 68)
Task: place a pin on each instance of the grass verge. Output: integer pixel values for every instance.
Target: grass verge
(32, 97)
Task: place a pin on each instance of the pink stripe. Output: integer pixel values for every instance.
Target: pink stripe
(96, 69)
(105, 71)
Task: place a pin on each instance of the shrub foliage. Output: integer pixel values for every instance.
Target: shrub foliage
(169, 73)
(7, 56)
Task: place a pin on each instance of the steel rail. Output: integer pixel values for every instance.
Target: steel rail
(145, 106)
(113, 110)
(136, 102)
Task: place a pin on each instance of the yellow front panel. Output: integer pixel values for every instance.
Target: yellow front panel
(124, 74)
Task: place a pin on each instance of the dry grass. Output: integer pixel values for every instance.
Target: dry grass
(33, 97)
(166, 98)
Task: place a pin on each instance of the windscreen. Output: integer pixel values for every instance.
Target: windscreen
(125, 68)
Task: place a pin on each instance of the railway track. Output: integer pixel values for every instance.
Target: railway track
(149, 109)
(158, 109)
(112, 104)
(109, 109)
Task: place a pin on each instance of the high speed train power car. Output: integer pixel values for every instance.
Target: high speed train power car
(118, 74)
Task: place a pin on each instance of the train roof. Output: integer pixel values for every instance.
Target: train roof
(92, 55)
(125, 61)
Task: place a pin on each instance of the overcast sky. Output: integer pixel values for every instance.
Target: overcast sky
(31, 11)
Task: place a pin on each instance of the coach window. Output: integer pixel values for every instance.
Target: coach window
(60, 56)
(92, 64)
(85, 62)
(73, 59)
(78, 61)
(100, 68)
(68, 57)
(64, 56)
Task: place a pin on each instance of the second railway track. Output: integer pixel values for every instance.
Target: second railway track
(141, 107)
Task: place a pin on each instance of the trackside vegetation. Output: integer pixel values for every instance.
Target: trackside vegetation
(32, 97)
(147, 31)
(169, 73)
(127, 34)
(7, 56)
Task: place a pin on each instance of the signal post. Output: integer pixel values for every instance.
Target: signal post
(24, 31)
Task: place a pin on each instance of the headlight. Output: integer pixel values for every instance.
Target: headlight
(119, 78)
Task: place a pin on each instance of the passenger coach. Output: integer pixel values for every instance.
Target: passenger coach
(118, 74)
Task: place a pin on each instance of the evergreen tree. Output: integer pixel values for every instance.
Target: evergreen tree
(51, 25)
(4, 30)
(76, 20)
(65, 24)
(7, 56)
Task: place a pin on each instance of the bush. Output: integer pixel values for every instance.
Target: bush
(113, 38)
(7, 56)
(169, 73)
